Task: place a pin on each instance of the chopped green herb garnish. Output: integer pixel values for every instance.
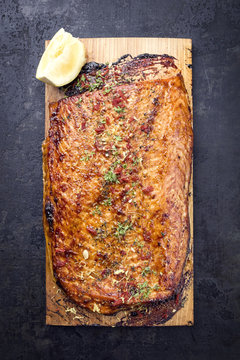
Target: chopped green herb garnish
(117, 162)
(78, 85)
(87, 156)
(97, 211)
(111, 177)
(118, 138)
(143, 290)
(156, 287)
(114, 150)
(133, 193)
(108, 202)
(122, 229)
(107, 90)
(119, 110)
(137, 160)
(95, 85)
(79, 102)
(138, 243)
(146, 271)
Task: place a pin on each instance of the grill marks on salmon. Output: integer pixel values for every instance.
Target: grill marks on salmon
(117, 165)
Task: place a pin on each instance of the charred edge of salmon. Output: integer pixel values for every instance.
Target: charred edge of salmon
(122, 58)
(49, 213)
(95, 73)
(91, 66)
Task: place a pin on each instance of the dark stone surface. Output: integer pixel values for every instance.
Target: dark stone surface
(214, 27)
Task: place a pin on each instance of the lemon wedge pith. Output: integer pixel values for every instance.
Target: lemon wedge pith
(62, 60)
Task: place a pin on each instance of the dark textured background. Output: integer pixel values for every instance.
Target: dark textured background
(214, 27)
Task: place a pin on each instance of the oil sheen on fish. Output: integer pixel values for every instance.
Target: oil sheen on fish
(117, 166)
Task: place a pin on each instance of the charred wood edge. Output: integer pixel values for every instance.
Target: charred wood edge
(93, 67)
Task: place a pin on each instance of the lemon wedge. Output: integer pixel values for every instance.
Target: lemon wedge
(62, 60)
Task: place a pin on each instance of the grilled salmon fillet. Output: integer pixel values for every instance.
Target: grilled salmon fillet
(117, 166)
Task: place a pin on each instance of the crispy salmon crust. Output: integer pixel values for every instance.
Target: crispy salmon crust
(117, 167)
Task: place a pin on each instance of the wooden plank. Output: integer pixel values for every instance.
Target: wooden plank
(59, 309)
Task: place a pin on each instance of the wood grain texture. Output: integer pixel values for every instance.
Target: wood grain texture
(59, 309)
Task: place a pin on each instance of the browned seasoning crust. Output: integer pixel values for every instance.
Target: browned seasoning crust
(117, 165)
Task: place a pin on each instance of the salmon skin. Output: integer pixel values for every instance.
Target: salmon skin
(117, 167)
